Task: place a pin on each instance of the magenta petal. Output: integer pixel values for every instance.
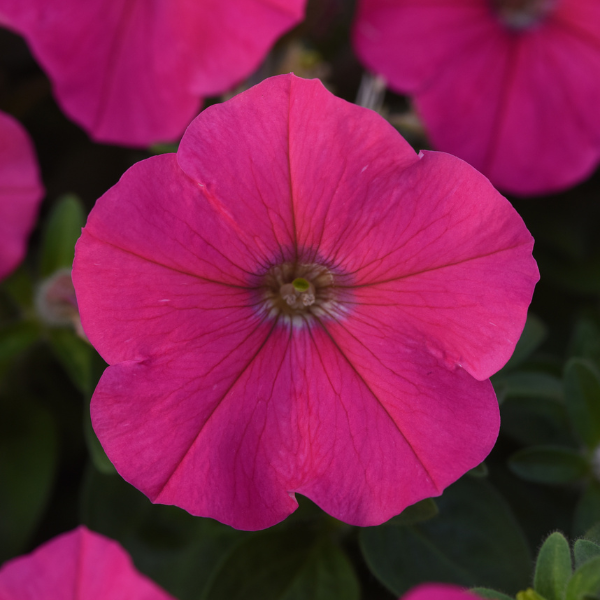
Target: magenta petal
(79, 565)
(20, 192)
(297, 303)
(438, 591)
(408, 40)
(171, 242)
(283, 413)
(440, 269)
(533, 127)
(133, 73)
(287, 179)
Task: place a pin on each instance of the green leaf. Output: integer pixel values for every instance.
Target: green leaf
(474, 541)
(553, 567)
(285, 565)
(163, 148)
(587, 511)
(582, 393)
(19, 286)
(97, 454)
(421, 511)
(585, 582)
(15, 339)
(178, 551)
(585, 342)
(533, 335)
(549, 464)
(61, 231)
(593, 534)
(28, 457)
(489, 594)
(536, 421)
(74, 354)
(480, 470)
(585, 550)
(525, 384)
(529, 594)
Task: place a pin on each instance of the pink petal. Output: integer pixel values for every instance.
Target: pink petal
(217, 405)
(407, 41)
(285, 179)
(438, 591)
(133, 73)
(20, 192)
(534, 127)
(286, 412)
(79, 565)
(452, 268)
(177, 246)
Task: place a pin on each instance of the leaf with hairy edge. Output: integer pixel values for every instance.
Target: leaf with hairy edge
(553, 568)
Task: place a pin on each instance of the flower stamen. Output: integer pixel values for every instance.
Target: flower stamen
(298, 289)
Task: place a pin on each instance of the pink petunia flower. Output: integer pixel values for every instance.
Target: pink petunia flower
(78, 565)
(297, 302)
(134, 73)
(20, 192)
(510, 86)
(438, 591)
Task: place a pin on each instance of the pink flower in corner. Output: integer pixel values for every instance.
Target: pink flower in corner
(134, 73)
(79, 565)
(438, 591)
(298, 303)
(510, 86)
(20, 192)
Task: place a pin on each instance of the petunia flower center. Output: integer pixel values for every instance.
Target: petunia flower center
(522, 14)
(298, 289)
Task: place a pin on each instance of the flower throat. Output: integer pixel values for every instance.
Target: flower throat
(522, 14)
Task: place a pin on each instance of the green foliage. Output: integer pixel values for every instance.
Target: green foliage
(421, 511)
(585, 550)
(28, 456)
(553, 567)
(534, 333)
(529, 384)
(61, 231)
(285, 565)
(587, 512)
(74, 354)
(536, 421)
(489, 594)
(593, 534)
(178, 551)
(197, 558)
(582, 393)
(549, 464)
(480, 470)
(585, 340)
(585, 582)
(474, 541)
(15, 339)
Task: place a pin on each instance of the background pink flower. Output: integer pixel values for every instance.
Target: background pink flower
(438, 591)
(513, 91)
(20, 192)
(133, 73)
(78, 565)
(297, 302)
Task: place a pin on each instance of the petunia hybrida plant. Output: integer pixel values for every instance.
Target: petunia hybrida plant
(510, 86)
(297, 302)
(78, 565)
(134, 73)
(20, 192)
